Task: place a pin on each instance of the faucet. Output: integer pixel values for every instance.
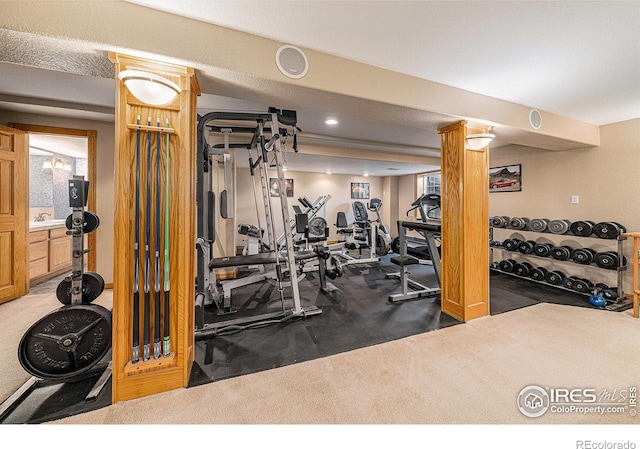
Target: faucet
(40, 216)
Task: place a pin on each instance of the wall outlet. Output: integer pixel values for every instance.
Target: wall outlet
(575, 199)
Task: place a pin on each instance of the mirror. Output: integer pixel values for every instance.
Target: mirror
(53, 160)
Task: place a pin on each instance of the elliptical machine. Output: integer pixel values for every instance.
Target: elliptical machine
(381, 235)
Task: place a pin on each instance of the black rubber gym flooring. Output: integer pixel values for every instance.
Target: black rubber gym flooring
(356, 315)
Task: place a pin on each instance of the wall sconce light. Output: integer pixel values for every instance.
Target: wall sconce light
(58, 164)
(477, 142)
(47, 164)
(149, 88)
(66, 166)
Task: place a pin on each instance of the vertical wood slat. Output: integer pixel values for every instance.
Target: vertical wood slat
(156, 375)
(465, 232)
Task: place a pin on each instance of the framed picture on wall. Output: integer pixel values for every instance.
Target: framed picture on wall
(360, 190)
(507, 178)
(274, 186)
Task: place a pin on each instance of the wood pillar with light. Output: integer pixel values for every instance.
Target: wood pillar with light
(465, 220)
(172, 142)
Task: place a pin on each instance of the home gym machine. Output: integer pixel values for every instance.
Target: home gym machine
(268, 134)
(72, 343)
(430, 230)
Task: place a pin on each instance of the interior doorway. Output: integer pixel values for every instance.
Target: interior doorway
(68, 151)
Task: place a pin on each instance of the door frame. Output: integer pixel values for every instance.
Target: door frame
(92, 143)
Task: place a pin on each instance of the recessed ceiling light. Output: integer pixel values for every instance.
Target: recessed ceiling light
(331, 121)
(328, 172)
(365, 175)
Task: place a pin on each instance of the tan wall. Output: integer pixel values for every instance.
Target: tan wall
(104, 177)
(602, 176)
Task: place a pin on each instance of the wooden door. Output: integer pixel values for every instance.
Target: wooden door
(14, 189)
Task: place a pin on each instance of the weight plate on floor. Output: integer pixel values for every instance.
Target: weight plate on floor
(91, 222)
(66, 342)
(92, 287)
(539, 224)
(559, 226)
(607, 230)
(582, 228)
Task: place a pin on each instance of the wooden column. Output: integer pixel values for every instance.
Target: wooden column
(465, 224)
(134, 380)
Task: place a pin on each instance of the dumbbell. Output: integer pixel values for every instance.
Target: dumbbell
(569, 282)
(499, 221)
(609, 260)
(539, 224)
(583, 256)
(537, 273)
(519, 223)
(526, 247)
(559, 226)
(608, 229)
(495, 243)
(507, 265)
(561, 252)
(522, 269)
(582, 228)
(542, 249)
(554, 277)
(582, 285)
(511, 244)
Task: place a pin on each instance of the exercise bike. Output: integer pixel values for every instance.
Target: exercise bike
(365, 226)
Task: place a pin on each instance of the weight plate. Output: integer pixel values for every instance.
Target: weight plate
(91, 222)
(622, 228)
(506, 265)
(382, 245)
(602, 286)
(583, 255)
(539, 224)
(526, 247)
(519, 223)
(554, 277)
(582, 285)
(66, 342)
(537, 273)
(522, 269)
(511, 244)
(582, 228)
(92, 287)
(499, 222)
(559, 226)
(395, 245)
(610, 294)
(608, 260)
(606, 230)
(542, 249)
(569, 282)
(561, 252)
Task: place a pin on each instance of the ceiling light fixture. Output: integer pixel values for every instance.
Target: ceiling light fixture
(331, 121)
(328, 172)
(477, 142)
(365, 175)
(149, 88)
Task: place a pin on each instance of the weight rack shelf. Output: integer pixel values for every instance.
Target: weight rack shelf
(526, 278)
(619, 271)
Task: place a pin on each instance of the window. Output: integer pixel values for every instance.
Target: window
(431, 184)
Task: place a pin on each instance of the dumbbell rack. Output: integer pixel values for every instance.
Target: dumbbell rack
(620, 304)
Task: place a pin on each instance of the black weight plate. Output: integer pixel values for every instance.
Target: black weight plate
(582, 228)
(511, 244)
(583, 255)
(92, 287)
(608, 260)
(539, 224)
(499, 222)
(395, 245)
(610, 294)
(554, 277)
(569, 282)
(519, 223)
(526, 247)
(622, 228)
(66, 342)
(542, 249)
(537, 273)
(522, 269)
(559, 226)
(91, 222)
(606, 230)
(506, 265)
(561, 252)
(603, 286)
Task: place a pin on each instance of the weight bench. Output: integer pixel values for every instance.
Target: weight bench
(404, 261)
